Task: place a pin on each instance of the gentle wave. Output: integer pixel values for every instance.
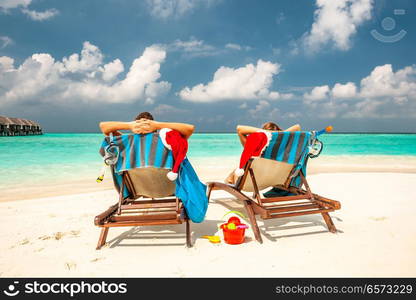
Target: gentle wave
(69, 156)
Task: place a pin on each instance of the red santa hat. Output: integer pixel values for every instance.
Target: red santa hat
(254, 146)
(174, 141)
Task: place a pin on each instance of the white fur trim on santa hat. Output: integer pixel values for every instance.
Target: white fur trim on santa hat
(269, 137)
(162, 134)
(239, 172)
(172, 176)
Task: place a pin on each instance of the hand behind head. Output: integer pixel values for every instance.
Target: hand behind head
(143, 126)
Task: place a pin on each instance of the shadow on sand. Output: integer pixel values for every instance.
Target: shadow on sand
(173, 235)
(272, 228)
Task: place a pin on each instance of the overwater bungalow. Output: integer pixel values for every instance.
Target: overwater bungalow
(16, 126)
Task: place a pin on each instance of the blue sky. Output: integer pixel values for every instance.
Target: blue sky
(213, 63)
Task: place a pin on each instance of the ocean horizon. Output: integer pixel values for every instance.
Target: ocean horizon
(233, 132)
(69, 156)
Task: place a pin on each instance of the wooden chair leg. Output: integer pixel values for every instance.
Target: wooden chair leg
(103, 237)
(209, 191)
(188, 234)
(253, 221)
(329, 223)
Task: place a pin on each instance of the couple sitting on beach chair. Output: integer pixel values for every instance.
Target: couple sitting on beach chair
(158, 186)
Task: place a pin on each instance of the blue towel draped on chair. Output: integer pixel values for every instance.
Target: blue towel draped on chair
(148, 150)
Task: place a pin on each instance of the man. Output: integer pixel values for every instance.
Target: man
(144, 123)
(174, 136)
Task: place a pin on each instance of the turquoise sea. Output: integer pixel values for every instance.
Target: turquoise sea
(71, 156)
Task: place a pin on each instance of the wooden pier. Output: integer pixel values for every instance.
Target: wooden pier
(15, 126)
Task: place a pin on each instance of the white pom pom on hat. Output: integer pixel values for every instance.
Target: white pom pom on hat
(172, 176)
(239, 172)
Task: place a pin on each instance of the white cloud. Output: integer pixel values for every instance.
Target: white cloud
(384, 93)
(5, 5)
(363, 109)
(243, 106)
(193, 48)
(336, 21)
(246, 83)
(40, 15)
(5, 41)
(112, 69)
(82, 78)
(6, 63)
(165, 109)
(165, 9)
(261, 107)
(294, 48)
(264, 111)
(280, 18)
(237, 47)
(384, 82)
(292, 115)
(199, 48)
(348, 90)
(317, 93)
(286, 96)
(91, 58)
(328, 109)
(380, 108)
(190, 46)
(233, 46)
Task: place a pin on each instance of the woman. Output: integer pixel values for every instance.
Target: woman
(243, 131)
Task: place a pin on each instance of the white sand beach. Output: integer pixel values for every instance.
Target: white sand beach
(56, 237)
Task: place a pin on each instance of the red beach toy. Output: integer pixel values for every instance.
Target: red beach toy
(234, 231)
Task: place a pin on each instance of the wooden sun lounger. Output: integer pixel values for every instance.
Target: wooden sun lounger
(261, 173)
(151, 202)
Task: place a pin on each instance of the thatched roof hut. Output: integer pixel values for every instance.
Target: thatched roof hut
(17, 121)
(16, 126)
(5, 121)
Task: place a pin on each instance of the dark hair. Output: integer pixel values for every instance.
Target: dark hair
(144, 115)
(271, 126)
